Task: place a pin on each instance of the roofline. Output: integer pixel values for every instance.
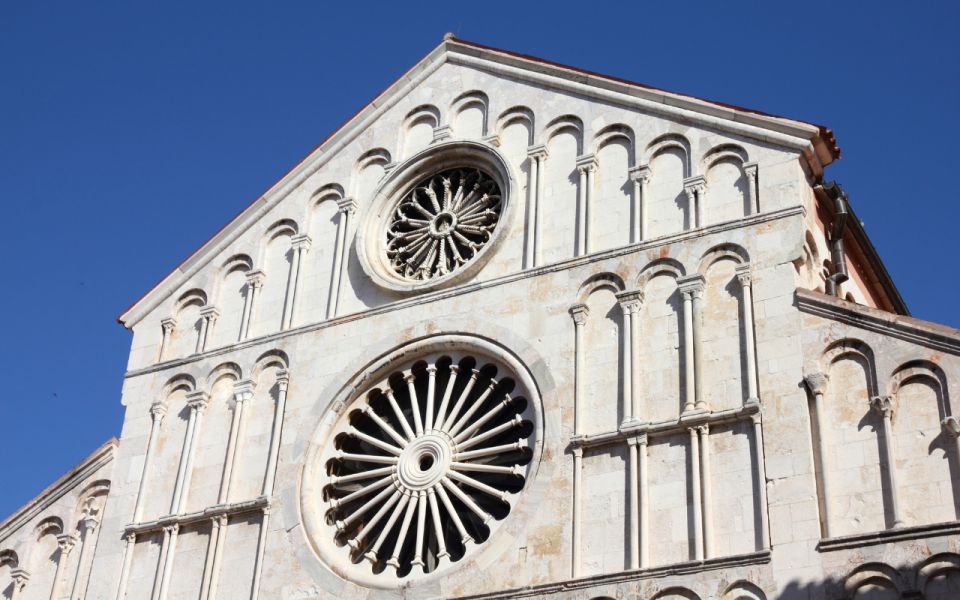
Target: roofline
(821, 153)
(104, 454)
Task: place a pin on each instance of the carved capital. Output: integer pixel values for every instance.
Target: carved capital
(744, 275)
(630, 301)
(347, 205)
(171, 529)
(130, 537)
(883, 405)
(639, 173)
(691, 285)
(951, 426)
(283, 380)
(243, 390)
(20, 577)
(66, 542)
(750, 170)
(587, 163)
(703, 429)
(255, 278)
(578, 452)
(817, 383)
(168, 324)
(443, 132)
(89, 523)
(579, 312)
(158, 410)
(538, 152)
(219, 521)
(693, 185)
(493, 139)
(210, 313)
(198, 400)
(301, 242)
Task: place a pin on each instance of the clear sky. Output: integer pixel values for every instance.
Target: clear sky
(131, 131)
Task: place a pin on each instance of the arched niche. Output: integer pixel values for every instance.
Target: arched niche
(231, 298)
(667, 206)
(611, 211)
(558, 208)
(187, 315)
(417, 129)
(727, 194)
(470, 111)
(277, 253)
(661, 341)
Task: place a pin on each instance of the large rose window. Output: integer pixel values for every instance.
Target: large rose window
(425, 463)
(442, 223)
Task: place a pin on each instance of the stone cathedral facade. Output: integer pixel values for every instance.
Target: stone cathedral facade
(517, 330)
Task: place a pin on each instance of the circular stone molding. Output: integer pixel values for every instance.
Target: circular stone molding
(436, 218)
(429, 453)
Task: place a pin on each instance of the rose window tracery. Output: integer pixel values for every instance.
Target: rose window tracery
(425, 463)
(442, 223)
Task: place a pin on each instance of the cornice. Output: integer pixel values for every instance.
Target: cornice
(466, 288)
(787, 133)
(59, 488)
(910, 329)
(570, 585)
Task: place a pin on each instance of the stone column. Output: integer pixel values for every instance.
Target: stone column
(157, 412)
(341, 252)
(197, 401)
(131, 541)
(169, 325)
(633, 505)
(579, 312)
(745, 278)
(167, 551)
(242, 394)
(750, 173)
(20, 577)
(694, 188)
(761, 473)
(691, 287)
(299, 245)
(640, 176)
(88, 526)
(577, 501)
(644, 502)
(261, 548)
(817, 384)
(630, 303)
(706, 482)
(884, 406)
(65, 542)
(283, 382)
(208, 316)
(255, 281)
(218, 525)
(697, 497)
(538, 156)
(586, 166)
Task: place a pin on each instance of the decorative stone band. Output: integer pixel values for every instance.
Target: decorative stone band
(227, 510)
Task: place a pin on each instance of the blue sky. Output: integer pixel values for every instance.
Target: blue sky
(129, 132)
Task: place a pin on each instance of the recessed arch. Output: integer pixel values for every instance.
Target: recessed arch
(935, 566)
(367, 171)
(230, 370)
(676, 593)
(9, 558)
(276, 359)
(517, 114)
(417, 129)
(875, 574)
(193, 297)
(851, 347)
(728, 251)
(610, 281)
(614, 133)
(666, 142)
(668, 266)
(723, 152)
(743, 590)
(179, 382)
(569, 124)
(476, 100)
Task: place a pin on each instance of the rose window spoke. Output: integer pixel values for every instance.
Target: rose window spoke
(427, 461)
(442, 223)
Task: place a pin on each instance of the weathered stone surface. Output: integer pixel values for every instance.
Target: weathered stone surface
(705, 421)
